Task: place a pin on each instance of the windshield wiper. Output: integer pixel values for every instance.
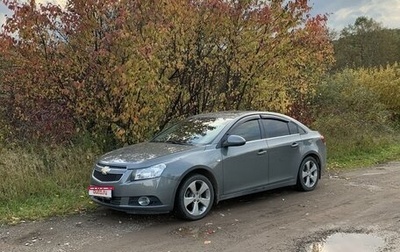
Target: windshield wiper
(177, 142)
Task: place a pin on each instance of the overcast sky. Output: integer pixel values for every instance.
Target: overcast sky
(345, 12)
(341, 12)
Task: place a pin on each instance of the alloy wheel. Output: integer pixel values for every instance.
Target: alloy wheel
(310, 173)
(197, 197)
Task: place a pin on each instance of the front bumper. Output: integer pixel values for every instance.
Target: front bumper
(160, 191)
(131, 209)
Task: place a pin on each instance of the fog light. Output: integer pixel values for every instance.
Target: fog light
(144, 201)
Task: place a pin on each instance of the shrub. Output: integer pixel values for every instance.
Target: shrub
(384, 82)
(350, 115)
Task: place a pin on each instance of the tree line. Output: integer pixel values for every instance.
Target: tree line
(366, 44)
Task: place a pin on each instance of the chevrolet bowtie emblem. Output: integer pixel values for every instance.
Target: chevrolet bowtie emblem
(105, 170)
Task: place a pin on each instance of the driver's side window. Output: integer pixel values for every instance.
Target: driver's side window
(249, 130)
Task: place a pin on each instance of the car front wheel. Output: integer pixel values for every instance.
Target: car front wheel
(195, 197)
(308, 174)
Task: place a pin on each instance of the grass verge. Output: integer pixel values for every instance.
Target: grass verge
(364, 158)
(39, 182)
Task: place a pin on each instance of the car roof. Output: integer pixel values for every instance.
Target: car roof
(223, 114)
(234, 114)
(238, 114)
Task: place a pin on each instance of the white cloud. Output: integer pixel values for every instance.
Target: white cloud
(57, 2)
(5, 11)
(367, 8)
(388, 14)
(2, 20)
(345, 12)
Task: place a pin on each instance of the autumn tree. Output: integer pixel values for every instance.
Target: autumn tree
(29, 49)
(245, 55)
(126, 68)
(93, 63)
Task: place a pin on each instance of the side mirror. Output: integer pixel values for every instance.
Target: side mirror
(234, 140)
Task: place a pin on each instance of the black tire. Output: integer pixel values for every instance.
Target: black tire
(308, 176)
(195, 198)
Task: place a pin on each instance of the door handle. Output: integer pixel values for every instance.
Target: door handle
(294, 145)
(261, 152)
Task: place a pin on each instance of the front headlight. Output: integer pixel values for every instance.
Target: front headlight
(148, 173)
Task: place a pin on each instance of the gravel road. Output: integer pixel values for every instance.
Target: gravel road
(361, 201)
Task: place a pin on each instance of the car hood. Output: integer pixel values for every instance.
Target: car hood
(143, 153)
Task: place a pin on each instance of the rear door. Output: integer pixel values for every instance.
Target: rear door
(245, 166)
(284, 149)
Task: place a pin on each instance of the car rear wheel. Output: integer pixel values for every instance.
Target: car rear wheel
(195, 197)
(308, 174)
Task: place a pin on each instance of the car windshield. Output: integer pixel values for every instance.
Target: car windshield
(200, 130)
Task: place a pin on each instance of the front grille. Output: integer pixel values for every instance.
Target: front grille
(111, 166)
(113, 201)
(107, 177)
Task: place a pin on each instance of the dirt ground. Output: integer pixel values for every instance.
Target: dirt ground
(365, 200)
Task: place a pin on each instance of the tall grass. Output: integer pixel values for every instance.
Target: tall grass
(360, 149)
(39, 181)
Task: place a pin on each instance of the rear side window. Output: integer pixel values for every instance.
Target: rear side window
(302, 131)
(275, 128)
(249, 130)
(293, 128)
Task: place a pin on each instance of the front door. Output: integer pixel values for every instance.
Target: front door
(245, 167)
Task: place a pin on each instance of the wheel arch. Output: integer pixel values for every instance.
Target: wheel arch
(202, 171)
(317, 158)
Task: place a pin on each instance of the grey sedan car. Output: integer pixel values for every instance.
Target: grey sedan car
(199, 161)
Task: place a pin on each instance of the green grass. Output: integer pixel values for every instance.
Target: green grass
(39, 207)
(364, 158)
(39, 182)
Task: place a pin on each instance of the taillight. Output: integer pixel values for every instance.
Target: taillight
(323, 139)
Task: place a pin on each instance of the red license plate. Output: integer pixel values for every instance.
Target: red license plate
(101, 191)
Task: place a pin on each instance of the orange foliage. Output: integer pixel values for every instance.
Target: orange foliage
(129, 67)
